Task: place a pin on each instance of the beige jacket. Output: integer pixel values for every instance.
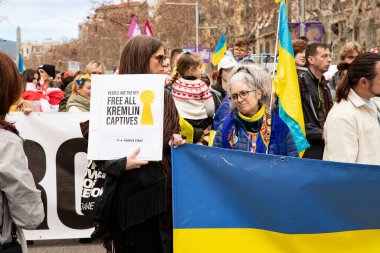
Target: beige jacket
(352, 132)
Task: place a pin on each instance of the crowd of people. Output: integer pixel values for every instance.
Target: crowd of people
(229, 109)
(342, 115)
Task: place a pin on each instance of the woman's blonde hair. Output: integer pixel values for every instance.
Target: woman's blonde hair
(79, 81)
(349, 48)
(92, 65)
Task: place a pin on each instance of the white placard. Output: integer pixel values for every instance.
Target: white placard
(56, 153)
(126, 113)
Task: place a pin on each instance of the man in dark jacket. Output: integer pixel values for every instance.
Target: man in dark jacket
(315, 96)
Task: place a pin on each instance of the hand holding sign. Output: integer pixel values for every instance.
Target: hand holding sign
(132, 162)
(176, 140)
(126, 113)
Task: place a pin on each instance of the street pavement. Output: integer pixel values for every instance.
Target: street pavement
(65, 246)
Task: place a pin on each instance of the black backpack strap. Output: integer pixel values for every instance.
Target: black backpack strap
(14, 228)
(14, 232)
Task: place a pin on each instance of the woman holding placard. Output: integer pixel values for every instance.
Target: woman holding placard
(141, 220)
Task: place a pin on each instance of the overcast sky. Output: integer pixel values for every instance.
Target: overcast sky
(42, 19)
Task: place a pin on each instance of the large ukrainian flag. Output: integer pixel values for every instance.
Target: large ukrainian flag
(219, 51)
(286, 85)
(228, 201)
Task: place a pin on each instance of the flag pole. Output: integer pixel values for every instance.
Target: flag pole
(274, 66)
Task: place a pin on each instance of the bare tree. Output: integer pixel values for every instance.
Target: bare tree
(369, 25)
(342, 21)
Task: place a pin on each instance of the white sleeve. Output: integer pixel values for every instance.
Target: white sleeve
(341, 140)
(208, 102)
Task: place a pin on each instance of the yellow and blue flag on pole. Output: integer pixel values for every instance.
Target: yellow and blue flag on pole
(233, 201)
(219, 51)
(286, 85)
(187, 129)
(20, 63)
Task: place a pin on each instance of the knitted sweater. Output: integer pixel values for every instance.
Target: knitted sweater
(192, 99)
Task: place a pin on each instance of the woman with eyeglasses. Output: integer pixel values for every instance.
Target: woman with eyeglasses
(141, 215)
(251, 126)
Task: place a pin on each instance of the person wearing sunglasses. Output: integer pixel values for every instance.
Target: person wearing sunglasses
(141, 215)
(251, 125)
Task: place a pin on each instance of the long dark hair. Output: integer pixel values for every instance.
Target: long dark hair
(364, 65)
(28, 75)
(10, 89)
(136, 55)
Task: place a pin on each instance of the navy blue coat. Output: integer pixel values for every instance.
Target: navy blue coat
(281, 140)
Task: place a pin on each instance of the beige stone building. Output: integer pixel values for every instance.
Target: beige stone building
(37, 53)
(343, 20)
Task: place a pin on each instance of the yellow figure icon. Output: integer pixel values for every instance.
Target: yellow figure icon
(147, 98)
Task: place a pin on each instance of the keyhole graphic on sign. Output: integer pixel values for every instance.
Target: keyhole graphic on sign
(147, 98)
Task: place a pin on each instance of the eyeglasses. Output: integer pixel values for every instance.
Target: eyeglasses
(161, 58)
(96, 73)
(242, 94)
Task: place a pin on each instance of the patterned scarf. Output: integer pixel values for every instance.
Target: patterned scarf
(259, 144)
